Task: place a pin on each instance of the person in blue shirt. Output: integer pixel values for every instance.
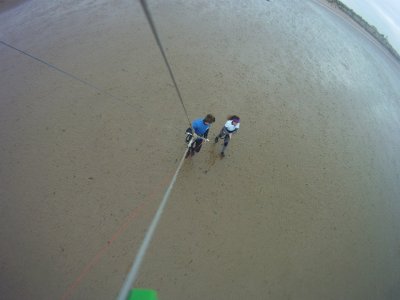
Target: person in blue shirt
(200, 127)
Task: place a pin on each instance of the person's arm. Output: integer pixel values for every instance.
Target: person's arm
(205, 135)
(234, 132)
(236, 128)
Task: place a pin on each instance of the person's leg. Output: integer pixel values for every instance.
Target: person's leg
(221, 134)
(226, 142)
(198, 143)
(190, 151)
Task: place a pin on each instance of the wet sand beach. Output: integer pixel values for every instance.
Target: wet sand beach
(305, 204)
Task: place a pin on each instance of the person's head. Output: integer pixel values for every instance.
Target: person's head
(209, 119)
(235, 119)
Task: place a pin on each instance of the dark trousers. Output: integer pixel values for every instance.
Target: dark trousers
(196, 146)
(225, 135)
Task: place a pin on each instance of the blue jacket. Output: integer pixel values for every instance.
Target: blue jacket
(200, 128)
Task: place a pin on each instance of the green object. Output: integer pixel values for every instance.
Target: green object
(142, 294)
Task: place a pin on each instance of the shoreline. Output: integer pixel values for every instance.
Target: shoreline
(337, 10)
(9, 4)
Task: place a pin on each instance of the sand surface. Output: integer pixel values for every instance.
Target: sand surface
(305, 205)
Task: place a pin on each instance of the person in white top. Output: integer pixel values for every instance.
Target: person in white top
(230, 127)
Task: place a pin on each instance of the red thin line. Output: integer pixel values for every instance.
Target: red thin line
(103, 250)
